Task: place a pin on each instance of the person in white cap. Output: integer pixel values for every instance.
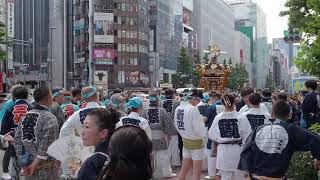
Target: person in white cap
(228, 134)
(73, 126)
(134, 118)
(190, 125)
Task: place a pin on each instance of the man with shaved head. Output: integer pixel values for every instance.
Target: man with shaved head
(73, 125)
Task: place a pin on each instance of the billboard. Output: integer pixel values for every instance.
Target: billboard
(103, 27)
(10, 18)
(103, 56)
(137, 79)
(298, 83)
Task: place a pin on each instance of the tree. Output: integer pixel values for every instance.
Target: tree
(196, 76)
(206, 58)
(304, 16)
(3, 53)
(184, 74)
(238, 77)
(269, 83)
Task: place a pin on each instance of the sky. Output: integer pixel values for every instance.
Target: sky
(275, 24)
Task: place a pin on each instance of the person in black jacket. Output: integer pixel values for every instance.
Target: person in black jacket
(11, 119)
(98, 127)
(270, 147)
(309, 107)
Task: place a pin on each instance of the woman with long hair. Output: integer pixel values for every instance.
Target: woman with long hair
(98, 127)
(129, 151)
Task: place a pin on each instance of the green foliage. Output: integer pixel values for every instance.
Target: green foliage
(304, 16)
(269, 83)
(205, 58)
(196, 76)
(184, 74)
(238, 77)
(301, 165)
(3, 37)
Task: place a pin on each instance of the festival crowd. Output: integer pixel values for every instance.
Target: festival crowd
(236, 135)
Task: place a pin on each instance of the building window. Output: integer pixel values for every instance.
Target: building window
(119, 33)
(121, 77)
(119, 47)
(123, 7)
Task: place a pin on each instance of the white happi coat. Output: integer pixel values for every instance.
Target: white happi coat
(256, 117)
(135, 119)
(227, 127)
(189, 122)
(245, 108)
(74, 122)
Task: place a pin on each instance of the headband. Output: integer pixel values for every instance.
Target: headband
(90, 93)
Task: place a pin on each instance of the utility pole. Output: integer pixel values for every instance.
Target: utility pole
(65, 13)
(91, 36)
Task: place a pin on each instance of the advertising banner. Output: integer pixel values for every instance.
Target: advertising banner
(137, 79)
(103, 28)
(103, 56)
(10, 27)
(298, 83)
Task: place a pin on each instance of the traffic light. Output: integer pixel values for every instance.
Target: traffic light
(292, 36)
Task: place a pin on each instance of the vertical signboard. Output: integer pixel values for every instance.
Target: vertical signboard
(10, 19)
(103, 27)
(101, 79)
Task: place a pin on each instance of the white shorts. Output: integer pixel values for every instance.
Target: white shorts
(198, 154)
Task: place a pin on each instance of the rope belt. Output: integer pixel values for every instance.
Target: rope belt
(238, 142)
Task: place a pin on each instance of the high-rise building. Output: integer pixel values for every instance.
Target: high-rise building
(28, 41)
(119, 44)
(213, 23)
(166, 38)
(251, 20)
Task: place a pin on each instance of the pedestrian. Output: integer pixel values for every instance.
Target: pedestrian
(134, 118)
(228, 133)
(98, 128)
(175, 144)
(255, 115)
(203, 105)
(129, 149)
(293, 110)
(267, 99)
(36, 132)
(162, 128)
(67, 106)
(56, 106)
(11, 120)
(76, 96)
(190, 125)
(310, 108)
(245, 93)
(269, 148)
(119, 102)
(74, 124)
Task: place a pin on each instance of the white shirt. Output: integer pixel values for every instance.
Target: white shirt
(74, 122)
(189, 122)
(227, 127)
(256, 117)
(246, 108)
(135, 119)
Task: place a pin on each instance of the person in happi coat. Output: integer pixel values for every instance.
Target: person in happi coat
(73, 126)
(245, 93)
(36, 132)
(134, 118)
(190, 125)
(175, 144)
(98, 128)
(266, 99)
(228, 133)
(56, 106)
(67, 106)
(255, 115)
(310, 106)
(204, 104)
(11, 120)
(162, 128)
(118, 101)
(268, 150)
